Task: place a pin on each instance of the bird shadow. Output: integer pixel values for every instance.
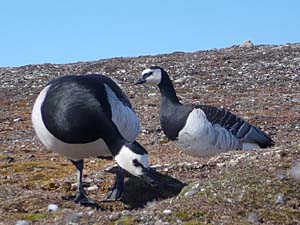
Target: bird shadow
(137, 193)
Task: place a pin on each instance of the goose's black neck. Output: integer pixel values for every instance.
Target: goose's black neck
(167, 90)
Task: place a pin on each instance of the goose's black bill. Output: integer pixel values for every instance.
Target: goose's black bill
(140, 81)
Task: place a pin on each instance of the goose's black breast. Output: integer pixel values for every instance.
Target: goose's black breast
(173, 118)
(76, 109)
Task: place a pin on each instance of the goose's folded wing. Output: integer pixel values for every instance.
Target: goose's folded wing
(237, 126)
(123, 116)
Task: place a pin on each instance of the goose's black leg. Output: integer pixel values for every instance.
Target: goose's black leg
(81, 197)
(118, 187)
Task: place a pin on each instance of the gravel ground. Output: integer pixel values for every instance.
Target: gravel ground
(259, 83)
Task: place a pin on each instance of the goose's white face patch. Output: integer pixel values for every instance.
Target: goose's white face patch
(152, 76)
(123, 117)
(72, 151)
(126, 157)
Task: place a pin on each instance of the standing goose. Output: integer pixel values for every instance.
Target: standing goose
(201, 130)
(90, 116)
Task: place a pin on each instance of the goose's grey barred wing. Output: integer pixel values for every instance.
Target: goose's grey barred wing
(236, 125)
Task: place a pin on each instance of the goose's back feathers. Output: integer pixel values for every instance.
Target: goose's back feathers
(95, 102)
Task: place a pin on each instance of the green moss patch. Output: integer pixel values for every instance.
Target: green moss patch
(28, 216)
(125, 221)
(182, 215)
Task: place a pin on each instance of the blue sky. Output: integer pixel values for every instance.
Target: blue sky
(66, 31)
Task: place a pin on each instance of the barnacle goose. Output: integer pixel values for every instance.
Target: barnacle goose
(201, 130)
(89, 115)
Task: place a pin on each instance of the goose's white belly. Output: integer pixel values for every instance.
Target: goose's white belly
(200, 138)
(72, 151)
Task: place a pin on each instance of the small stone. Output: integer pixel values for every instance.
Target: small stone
(179, 80)
(22, 222)
(193, 190)
(167, 211)
(246, 44)
(125, 212)
(253, 218)
(233, 162)
(52, 207)
(91, 212)
(279, 199)
(93, 188)
(74, 185)
(294, 172)
(280, 176)
(18, 119)
(75, 217)
(114, 216)
(145, 131)
(229, 200)
(93, 161)
(160, 222)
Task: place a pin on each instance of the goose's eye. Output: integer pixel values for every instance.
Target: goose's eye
(148, 74)
(136, 163)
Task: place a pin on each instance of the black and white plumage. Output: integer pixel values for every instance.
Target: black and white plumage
(90, 116)
(201, 130)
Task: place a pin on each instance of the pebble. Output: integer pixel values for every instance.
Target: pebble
(246, 44)
(229, 200)
(167, 211)
(93, 161)
(253, 218)
(18, 119)
(52, 207)
(179, 80)
(125, 212)
(91, 212)
(22, 222)
(75, 217)
(233, 162)
(160, 222)
(279, 199)
(294, 172)
(93, 188)
(280, 176)
(193, 190)
(114, 216)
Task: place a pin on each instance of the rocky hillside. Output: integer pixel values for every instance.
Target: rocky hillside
(259, 83)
